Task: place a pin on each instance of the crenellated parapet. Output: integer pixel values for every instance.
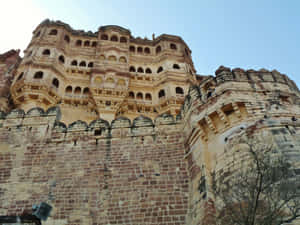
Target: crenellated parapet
(99, 128)
(243, 93)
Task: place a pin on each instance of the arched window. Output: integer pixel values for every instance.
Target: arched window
(82, 64)
(67, 38)
(114, 38)
(74, 63)
(209, 94)
(123, 39)
(148, 97)
(132, 69)
(86, 91)
(46, 52)
(87, 43)
(53, 32)
(132, 48)
(139, 95)
(123, 59)
(186, 51)
(161, 93)
(176, 66)
(98, 80)
(38, 75)
(140, 70)
(77, 90)
(148, 70)
(140, 50)
(158, 49)
(94, 44)
(104, 37)
(160, 69)
(55, 83)
(61, 59)
(37, 34)
(78, 43)
(179, 90)
(173, 46)
(147, 50)
(112, 58)
(69, 89)
(20, 76)
(121, 82)
(102, 57)
(131, 95)
(110, 80)
(91, 64)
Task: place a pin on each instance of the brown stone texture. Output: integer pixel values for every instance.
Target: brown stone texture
(126, 175)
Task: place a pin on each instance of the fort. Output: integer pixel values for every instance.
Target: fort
(112, 129)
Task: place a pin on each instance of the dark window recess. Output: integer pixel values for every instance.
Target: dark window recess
(209, 94)
(202, 185)
(97, 132)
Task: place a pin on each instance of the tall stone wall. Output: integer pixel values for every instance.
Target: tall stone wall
(118, 173)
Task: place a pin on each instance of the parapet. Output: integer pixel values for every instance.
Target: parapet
(141, 125)
(224, 74)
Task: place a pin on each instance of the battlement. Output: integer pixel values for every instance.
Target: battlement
(99, 128)
(233, 96)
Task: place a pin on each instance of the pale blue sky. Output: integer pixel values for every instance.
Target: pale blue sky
(235, 33)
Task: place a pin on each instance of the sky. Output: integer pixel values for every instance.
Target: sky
(250, 34)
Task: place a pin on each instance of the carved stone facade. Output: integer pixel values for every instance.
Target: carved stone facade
(112, 129)
(108, 73)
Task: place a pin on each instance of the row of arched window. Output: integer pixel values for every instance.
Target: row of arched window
(77, 90)
(146, 50)
(39, 75)
(148, 70)
(82, 63)
(47, 52)
(110, 80)
(61, 59)
(113, 58)
(140, 96)
(114, 38)
(86, 43)
(178, 91)
(148, 96)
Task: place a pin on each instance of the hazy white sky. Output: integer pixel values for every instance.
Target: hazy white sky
(248, 34)
(17, 21)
